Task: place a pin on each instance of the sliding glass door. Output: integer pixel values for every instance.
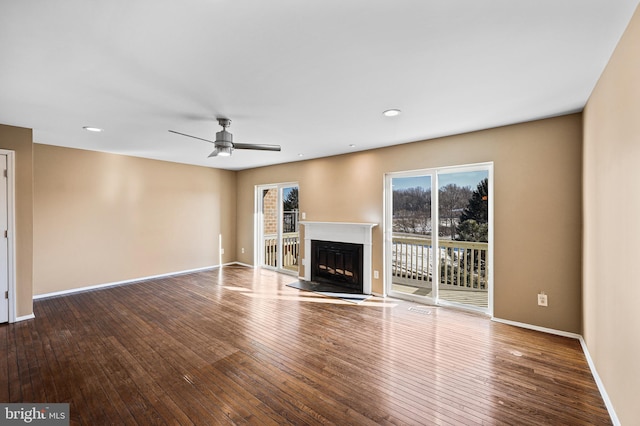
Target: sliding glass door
(289, 237)
(437, 232)
(278, 240)
(463, 244)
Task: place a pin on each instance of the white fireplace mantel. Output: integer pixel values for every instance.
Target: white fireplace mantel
(344, 232)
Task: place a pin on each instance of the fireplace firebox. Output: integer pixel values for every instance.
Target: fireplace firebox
(337, 263)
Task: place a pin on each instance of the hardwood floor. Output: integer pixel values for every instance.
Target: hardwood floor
(236, 346)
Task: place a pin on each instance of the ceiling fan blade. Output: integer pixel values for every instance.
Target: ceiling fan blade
(189, 136)
(261, 147)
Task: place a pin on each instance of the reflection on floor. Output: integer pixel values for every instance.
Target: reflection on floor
(330, 290)
(467, 297)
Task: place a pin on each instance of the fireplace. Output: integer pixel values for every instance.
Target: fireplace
(337, 263)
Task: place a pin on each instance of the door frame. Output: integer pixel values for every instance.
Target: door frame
(258, 246)
(11, 232)
(434, 172)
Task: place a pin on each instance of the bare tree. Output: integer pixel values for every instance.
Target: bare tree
(412, 210)
(452, 200)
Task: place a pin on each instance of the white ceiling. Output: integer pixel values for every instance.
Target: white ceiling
(312, 76)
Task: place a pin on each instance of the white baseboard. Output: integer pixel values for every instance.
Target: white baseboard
(239, 264)
(25, 317)
(596, 377)
(585, 350)
(537, 328)
(135, 280)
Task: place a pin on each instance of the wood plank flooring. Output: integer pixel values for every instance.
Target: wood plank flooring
(236, 346)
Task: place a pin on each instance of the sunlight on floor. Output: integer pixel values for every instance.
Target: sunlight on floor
(307, 296)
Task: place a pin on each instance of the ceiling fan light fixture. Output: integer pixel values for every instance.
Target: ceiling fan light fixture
(221, 151)
(224, 151)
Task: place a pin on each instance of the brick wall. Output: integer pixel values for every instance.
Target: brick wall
(270, 211)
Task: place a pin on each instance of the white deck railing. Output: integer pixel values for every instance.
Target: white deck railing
(463, 264)
(290, 250)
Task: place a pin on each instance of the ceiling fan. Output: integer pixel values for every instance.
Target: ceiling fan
(224, 141)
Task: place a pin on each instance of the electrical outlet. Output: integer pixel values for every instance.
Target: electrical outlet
(376, 275)
(242, 249)
(221, 251)
(304, 215)
(542, 300)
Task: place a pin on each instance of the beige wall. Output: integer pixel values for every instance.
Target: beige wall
(612, 225)
(537, 168)
(102, 218)
(19, 140)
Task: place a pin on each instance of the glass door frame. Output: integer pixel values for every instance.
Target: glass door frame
(435, 219)
(259, 252)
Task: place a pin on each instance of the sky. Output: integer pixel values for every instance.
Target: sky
(286, 191)
(470, 179)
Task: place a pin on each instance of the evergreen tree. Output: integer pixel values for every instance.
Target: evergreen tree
(478, 206)
(474, 220)
(291, 202)
(470, 230)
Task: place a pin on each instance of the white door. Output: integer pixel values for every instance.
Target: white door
(4, 242)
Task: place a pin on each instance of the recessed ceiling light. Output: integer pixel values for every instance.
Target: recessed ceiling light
(391, 112)
(352, 145)
(92, 129)
(300, 155)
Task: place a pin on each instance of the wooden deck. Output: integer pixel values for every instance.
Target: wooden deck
(479, 299)
(236, 346)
